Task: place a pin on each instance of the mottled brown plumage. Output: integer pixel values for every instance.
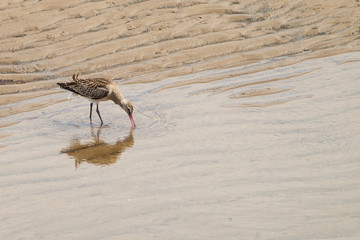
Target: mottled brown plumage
(96, 90)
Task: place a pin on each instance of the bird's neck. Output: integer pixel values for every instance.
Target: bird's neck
(118, 98)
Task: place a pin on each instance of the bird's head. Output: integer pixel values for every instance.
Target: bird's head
(128, 107)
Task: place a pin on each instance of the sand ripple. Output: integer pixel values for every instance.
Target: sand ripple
(247, 113)
(146, 41)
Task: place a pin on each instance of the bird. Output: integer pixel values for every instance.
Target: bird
(97, 90)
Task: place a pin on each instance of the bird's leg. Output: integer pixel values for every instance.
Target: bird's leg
(98, 112)
(91, 104)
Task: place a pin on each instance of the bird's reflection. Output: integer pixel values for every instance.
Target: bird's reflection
(97, 151)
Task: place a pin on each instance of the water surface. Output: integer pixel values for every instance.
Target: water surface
(247, 113)
(268, 155)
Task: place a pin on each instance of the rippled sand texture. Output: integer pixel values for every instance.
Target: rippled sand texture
(247, 114)
(153, 40)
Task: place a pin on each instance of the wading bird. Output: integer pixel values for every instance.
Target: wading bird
(96, 90)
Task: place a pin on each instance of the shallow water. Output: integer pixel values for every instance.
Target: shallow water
(271, 154)
(247, 118)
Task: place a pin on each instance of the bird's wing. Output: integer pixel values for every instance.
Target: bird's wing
(92, 88)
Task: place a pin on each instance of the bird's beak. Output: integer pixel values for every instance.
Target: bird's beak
(132, 121)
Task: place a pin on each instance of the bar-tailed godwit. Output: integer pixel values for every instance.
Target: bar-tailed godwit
(96, 90)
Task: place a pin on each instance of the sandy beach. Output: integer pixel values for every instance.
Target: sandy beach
(247, 114)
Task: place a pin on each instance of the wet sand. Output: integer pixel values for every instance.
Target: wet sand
(247, 113)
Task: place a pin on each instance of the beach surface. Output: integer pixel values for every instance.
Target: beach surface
(247, 114)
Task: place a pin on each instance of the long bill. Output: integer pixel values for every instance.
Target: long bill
(132, 121)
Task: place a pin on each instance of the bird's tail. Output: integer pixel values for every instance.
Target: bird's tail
(71, 86)
(66, 86)
(62, 85)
